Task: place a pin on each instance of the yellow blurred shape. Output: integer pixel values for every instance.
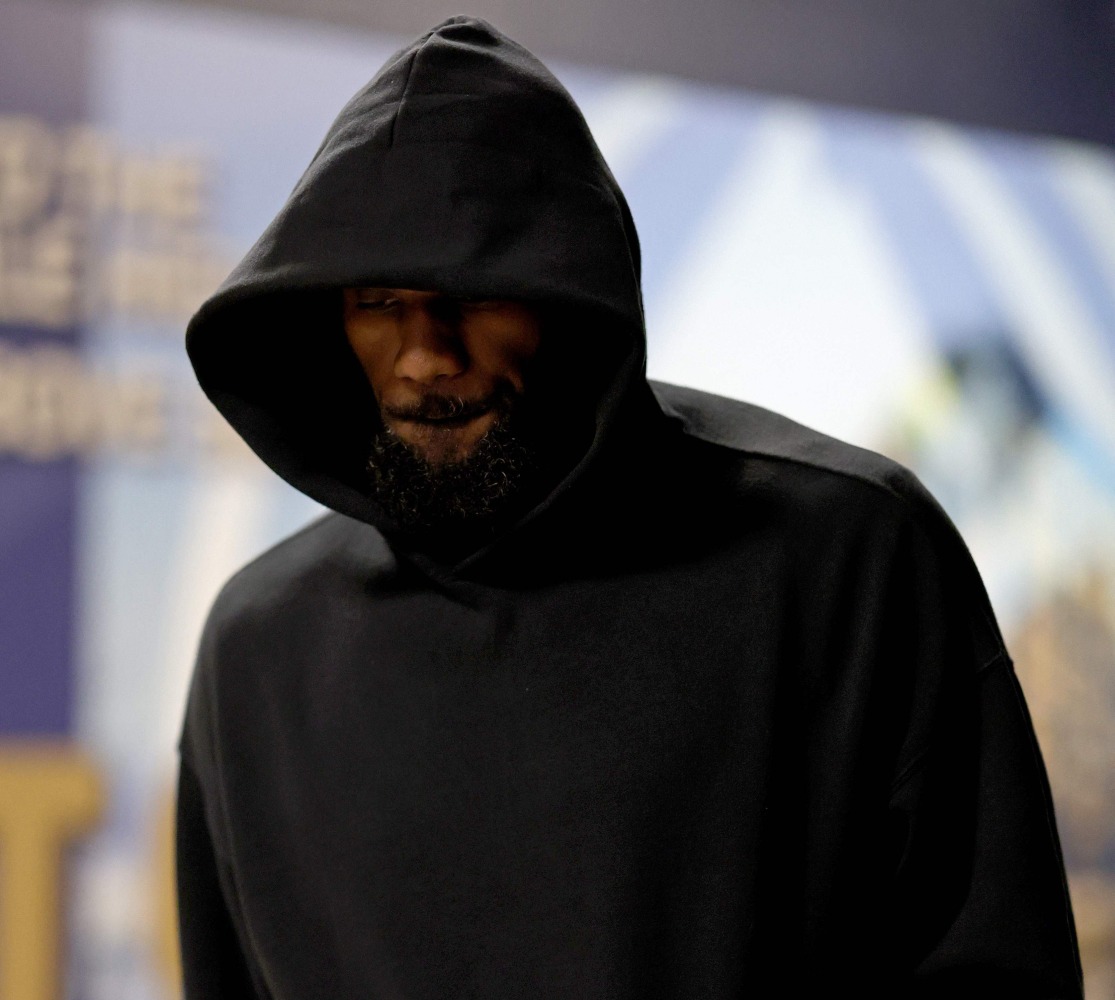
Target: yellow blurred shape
(50, 792)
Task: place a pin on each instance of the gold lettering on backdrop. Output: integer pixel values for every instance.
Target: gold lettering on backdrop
(89, 229)
(38, 275)
(52, 404)
(50, 793)
(28, 160)
(152, 282)
(88, 174)
(165, 901)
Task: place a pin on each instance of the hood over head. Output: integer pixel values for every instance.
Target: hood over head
(464, 167)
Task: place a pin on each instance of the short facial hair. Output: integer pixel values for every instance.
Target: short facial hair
(455, 499)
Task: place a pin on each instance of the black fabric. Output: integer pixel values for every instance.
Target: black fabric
(725, 714)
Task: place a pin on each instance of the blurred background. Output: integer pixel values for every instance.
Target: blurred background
(892, 221)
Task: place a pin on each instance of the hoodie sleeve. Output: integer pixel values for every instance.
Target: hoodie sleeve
(980, 899)
(213, 965)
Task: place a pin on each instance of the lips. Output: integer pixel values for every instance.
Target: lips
(455, 421)
(440, 411)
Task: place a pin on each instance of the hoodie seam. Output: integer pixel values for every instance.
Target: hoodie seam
(403, 94)
(918, 759)
(547, 170)
(905, 502)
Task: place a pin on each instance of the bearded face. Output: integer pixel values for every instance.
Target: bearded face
(466, 493)
(454, 443)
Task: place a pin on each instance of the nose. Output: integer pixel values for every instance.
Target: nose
(430, 347)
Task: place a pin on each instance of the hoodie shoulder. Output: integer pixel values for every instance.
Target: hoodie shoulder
(836, 491)
(754, 431)
(329, 549)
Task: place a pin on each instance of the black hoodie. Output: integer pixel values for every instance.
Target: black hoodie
(725, 714)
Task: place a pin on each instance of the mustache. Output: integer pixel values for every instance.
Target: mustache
(434, 406)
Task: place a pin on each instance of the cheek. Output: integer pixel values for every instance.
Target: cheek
(509, 352)
(525, 358)
(376, 358)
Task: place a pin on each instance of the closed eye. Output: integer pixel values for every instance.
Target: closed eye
(376, 305)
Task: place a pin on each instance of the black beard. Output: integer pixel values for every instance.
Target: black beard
(453, 502)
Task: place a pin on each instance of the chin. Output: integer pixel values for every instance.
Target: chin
(444, 445)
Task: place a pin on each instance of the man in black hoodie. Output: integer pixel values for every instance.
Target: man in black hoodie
(692, 702)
